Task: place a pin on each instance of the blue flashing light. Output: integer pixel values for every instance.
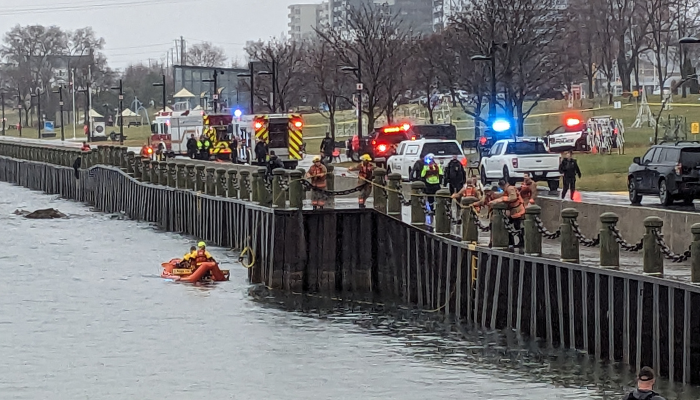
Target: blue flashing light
(500, 125)
(237, 113)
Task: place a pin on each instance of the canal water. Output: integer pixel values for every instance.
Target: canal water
(85, 315)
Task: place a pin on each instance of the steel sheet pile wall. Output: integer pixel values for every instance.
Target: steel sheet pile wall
(218, 220)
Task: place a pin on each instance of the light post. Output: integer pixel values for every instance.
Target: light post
(19, 111)
(60, 104)
(273, 101)
(251, 75)
(358, 73)
(87, 110)
(2, 104)
(492, 58)
(688, 40)
(162, 84)
(215, 96)
(37, 93)
(121, 118)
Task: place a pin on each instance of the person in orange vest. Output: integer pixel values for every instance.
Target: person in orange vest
(146, 151)
(85, 147)
(317, 175)
(515, 209)
(528, 190)
(365, 170)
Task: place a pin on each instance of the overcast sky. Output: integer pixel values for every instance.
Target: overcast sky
(138, 30)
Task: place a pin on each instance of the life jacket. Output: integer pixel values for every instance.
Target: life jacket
(516, 208)
(647, 395)
(85, 148)
(432, 175)
(318, 176)
(365, 171)
(201, 257)
(526, 191)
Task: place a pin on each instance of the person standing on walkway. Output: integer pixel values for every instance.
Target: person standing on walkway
(273, 164)
(528, 190)
(645, 386)
(234, 149)
(261, 152)
(432, 173)
(569, 170)
(317, 175)
(327, 147)
(364, 169)
(192, 147)
(455, 176)
(515, 210)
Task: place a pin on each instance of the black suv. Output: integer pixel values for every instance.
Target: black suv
(668, 170)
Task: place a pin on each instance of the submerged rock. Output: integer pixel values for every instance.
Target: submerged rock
(49, 213)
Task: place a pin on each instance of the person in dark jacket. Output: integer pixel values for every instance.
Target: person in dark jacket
(261, 152)
(327, 147)
(414, 176)
(455, 176)
(192, 147)
(234, 149)
(645, 386)
(569, 171)
(273, 164)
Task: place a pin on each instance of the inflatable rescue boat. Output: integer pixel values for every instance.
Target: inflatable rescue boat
(208, 271)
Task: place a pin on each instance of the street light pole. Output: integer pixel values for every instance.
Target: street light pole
(359, 96)
(252, 88)
(60, 103)
(120, 116)
(492, 106)
(163, 85)
(37, 94)
(2, 100)
(19, 111)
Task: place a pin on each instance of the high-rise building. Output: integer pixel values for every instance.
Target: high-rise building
(417, 14)
(303, 19)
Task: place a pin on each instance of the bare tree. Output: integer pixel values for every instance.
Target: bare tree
(661, 39)
(425, 69)
(206, 54)
(327, 84)
(687, 17)
(288, 59)
(372, 37)
(530, 34)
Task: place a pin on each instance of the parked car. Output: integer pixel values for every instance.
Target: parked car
(510, 159)
(668, 170)
(410, 151)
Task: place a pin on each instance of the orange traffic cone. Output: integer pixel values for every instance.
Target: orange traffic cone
(577, 197)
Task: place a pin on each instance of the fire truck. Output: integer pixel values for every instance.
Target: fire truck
(173, 128)
(218, 128)
(283, 135)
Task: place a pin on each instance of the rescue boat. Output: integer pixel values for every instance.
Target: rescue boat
(172, 272)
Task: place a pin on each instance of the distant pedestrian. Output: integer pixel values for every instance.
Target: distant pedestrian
(416, 171)
(273, 164)
(455, 176)
(432, 173)
(234, 149)
(365, 170)
(192, 147)
(645, 386)
(569, 170)
(261, 152)
(327, 147)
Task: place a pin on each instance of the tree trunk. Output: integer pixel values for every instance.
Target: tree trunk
(520, 132)
(430, 113)
(591, 95)
(331, 115)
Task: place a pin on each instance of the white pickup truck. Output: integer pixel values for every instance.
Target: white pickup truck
(410, 151)
(510, 160)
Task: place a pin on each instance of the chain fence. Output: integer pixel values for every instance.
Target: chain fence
(581, 238)
(543, 230)
(667, 252)
(623, 244)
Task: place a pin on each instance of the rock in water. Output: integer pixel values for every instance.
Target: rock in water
(49, 213)
(20, 212)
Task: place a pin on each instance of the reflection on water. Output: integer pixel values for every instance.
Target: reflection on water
(84, 315)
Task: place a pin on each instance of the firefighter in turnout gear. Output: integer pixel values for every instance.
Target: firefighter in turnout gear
(317, 175)
(364, 170)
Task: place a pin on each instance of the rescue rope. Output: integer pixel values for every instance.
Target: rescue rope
(251, 257)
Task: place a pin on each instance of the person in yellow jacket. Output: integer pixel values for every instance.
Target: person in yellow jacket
(188, 259)
(432, 174)
(365, 169)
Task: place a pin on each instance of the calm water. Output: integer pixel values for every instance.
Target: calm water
(84, 315)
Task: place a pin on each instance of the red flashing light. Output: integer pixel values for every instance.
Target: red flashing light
(381, 148)
(406, 127)
(258, 125)
(413, 138)
(150, 150)
(482, 140)
(374, 142)
(570, 122)
(298, 124)
(392, 129)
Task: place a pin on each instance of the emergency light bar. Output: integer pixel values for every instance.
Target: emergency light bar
(572, 122)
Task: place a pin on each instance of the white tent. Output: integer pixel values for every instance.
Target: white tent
(184, 93)
(129, 113)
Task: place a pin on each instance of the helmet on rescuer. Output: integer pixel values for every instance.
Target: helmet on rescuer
(366, 157)
(201, 244)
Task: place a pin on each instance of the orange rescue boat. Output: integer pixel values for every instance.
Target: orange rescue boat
(172, 272)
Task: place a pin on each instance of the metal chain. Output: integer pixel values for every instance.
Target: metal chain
(448, 210)
(402, 198)
(510, 227)
(267, 184)
(668, 253)
(480, 225)
(284, 184)
(309, 186)
(426, 206)
(247, 185)
(193, 176)
(582, 239)
(543, 230)
(623, 244)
